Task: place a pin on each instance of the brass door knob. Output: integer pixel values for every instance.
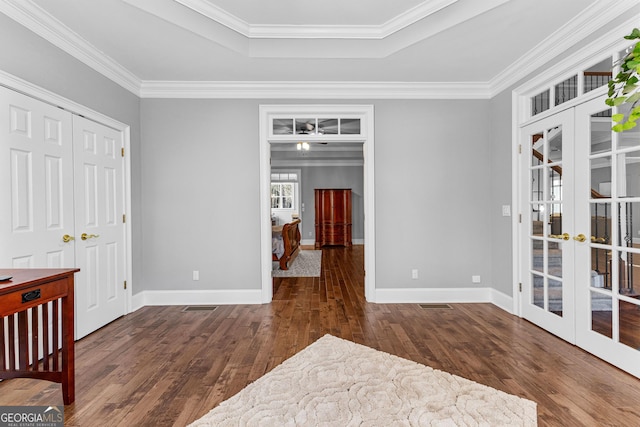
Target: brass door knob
(85, 236)
(66, 238)
(563, 236)
(580, 238)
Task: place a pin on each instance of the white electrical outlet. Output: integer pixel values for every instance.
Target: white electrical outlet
(414, 273)
(475, 279)
(196, 275)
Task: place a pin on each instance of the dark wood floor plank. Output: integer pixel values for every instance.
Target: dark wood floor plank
(164, 366)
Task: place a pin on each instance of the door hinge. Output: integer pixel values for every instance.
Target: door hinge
(122, 151)
(125, 284)
(124, 218)
(520, 218)
(520, 286)
(519, 148)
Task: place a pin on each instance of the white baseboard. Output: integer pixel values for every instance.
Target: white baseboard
(383, 296)
(221, 297)
(444, 295)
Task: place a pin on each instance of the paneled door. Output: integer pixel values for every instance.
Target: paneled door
(547, 252)
(37, 214)
(608, 215)
(62, 179)
(100, 233)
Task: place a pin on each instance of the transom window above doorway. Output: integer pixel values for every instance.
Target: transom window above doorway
(590, 78)
(315, 126)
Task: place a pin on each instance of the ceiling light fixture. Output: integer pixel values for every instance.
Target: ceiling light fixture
(303, 146)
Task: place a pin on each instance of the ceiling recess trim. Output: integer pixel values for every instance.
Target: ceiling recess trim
(577, 29)
(273, 31)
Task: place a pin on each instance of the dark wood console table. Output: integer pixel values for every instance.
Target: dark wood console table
(33, 303)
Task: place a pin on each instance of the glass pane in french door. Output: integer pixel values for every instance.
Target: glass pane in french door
(547, 212)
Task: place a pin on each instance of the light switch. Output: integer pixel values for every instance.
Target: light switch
(506, 210)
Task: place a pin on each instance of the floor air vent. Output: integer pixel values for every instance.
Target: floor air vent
(434, 306)
(200, 308)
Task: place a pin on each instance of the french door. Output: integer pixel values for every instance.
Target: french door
(608, 280)
(548, 250)
(62, 186)
(580, 254)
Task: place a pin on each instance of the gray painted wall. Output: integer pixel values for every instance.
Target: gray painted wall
(433, 203)
(201, 195)
(501, 186)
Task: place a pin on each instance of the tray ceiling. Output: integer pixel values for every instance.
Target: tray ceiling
(400, 45)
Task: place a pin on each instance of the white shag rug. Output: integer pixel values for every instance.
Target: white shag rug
(306, 264)
(334, 382)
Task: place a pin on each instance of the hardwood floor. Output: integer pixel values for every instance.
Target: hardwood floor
(162, 366)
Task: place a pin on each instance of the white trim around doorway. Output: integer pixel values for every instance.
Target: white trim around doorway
(366, 136)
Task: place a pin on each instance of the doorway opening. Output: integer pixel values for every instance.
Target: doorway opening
(343, 127)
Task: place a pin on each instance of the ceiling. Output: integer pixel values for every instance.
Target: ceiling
(303, 48)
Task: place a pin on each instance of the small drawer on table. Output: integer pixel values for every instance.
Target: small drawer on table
(22, 299)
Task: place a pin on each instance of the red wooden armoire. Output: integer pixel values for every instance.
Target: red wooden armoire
(333, 216)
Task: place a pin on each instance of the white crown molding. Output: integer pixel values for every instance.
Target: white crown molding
(577, 29)
(19, 85)
(376, 32)
(43, 24)
(315, 90)
(585, 57)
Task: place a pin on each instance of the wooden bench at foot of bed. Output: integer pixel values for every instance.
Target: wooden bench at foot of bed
(291, 241)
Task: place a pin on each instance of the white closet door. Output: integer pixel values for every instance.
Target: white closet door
(100, 240)
(62, 176)
(36, 183)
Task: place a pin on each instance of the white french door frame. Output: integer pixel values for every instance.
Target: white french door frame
(17, 84)
(520, 116)
(365, 112)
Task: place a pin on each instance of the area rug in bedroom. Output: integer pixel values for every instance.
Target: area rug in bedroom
(306, 264)
(334, 382)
